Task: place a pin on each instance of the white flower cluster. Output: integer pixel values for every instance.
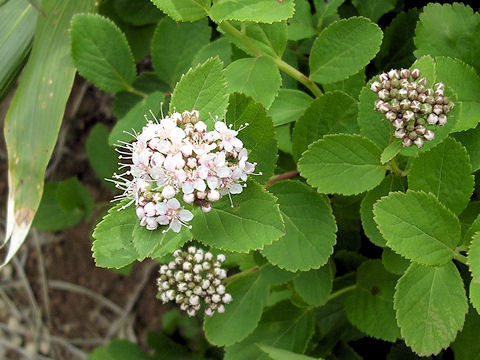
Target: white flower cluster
(410, 105)
(177, 157)
(194, 275)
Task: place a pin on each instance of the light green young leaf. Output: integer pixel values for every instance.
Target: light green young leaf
(332, 113)
(256, 77)
(342, 164)
(391, 151)
(350, 86)
(113, 247)
(471, 228)
(258, 137)
(466, 345)
(260, 11)
(301, 26)
(370, 306)
(394, 262)
(103, 159)
(390, 183)
(417, 226)
(304, 212)
(252, 222)
(344, 48)
(220, 47)
(315, 285)
(469, 139)
(288, 106)
(101, 53)
(174, 45)
(184, 10)
(474, 294)
(280, 354)
(445, 172)
(374, 9)
(449, 39)
(474, 257)
(202, 88)
(283, 326)
(431, 306)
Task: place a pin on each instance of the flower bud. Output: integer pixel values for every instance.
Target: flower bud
(404, 73)
(406, 142)
(432, 119)
(419, 142)
(384, 94)
(438, 109)
(415, 106)
(429, 135)
(221, 290)
(393, 74)
(442, 119)
(227, 298)
(415, 73)
(376, 87)
(383, 77)
(399, 134)
(206, 208)
(390, 116)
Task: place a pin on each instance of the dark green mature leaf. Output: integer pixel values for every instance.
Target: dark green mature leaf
(474, 294)
(283, 326)
(456, 37)
(350, 86)
(17, 26)
(256, 77)
(288, 106)
(250, 224)
(301, 26)
(370, 306)
(41, 95)
(331, 113)
(472, 228)
(315, 285)
(103, 159)
(202, 88)
(390, 183)
(431, 306)
(220, 47)
(374, 9)
(417, 226)
(113, 247)
(469, 139)
(262, 11)
(137, 12)
(258, 137)
(119, 350)
(280, 354)
(445, 172)
(174, 45)
(343, 49)
(466, 345)
(184, 10)
(393, 262)
(474, 257)
(304, 212)
(342, 164)
(101, 53)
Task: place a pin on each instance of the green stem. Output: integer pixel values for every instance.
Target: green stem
(341, 292)
(241, 274)
(392, 165)
(460, 258)
(282, 65)
(137, 92)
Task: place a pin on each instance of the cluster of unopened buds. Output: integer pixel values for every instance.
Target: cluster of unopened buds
(193, 276)
(410, 105)
(177, 158)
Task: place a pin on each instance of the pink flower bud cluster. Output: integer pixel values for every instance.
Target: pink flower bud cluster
(178, 160)
(410, 105)
(192, 277)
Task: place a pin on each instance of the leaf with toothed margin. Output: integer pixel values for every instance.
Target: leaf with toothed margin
(281, 354)
(474, 257)
(315, 285)
(474, 294)
(259, 11)
(253, 222)
(304, 212)
(466, 345)
(184, 10)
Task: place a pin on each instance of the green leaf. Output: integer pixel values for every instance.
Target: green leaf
(202, 88)
(220, 47)
(370, 306)
(137, 12)
(256, 77)
(289, 105)
(174, 45)
(391, 151)
(64, 204)
(431, 305)
(474, 294)
(374, 9)
(394, 262)
(350, 86)
(103, 159)
(156, 243)
(331, 113)
(301, 26)
(258, 137)
(134, 119)
(465, 83)
(119, 350)
(269, 38)
(250, 224)
(474, 257)
(280, 354)
(263, 11)
(417, 226)
(445, 172)
(41, 95)
(315, 285)
(331, 164)
(449, 39)
(101, 53)
(466, 345)
(113, 247)
(304, 212)
(472, 228)
(17, 27)
(343, 48)
(469, 139)
(184, 10)
(390, 183)
(283, 326)
(250, 294)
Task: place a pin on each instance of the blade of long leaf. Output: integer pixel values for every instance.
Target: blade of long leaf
(35, 114)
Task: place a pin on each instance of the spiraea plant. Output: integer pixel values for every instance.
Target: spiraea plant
(343, 217)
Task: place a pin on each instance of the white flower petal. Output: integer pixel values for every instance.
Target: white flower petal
(185, 215)
(236, 189)
(173, 204)
(176, 226)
